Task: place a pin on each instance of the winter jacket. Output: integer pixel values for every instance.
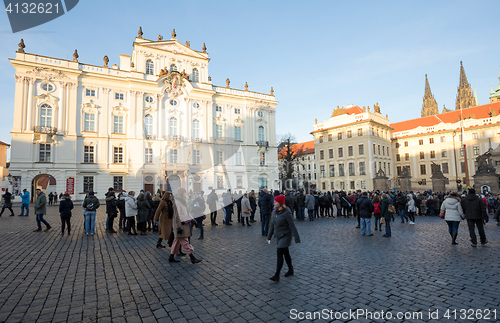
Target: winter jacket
(143, 208)
(301, 199)
(253, 202)
(198, 208)
(25, 198)
(111, 203)
(181, 218)
(65, 207)
(283, 227)
(95, 203)
(7, 199)
(473, 207)
(411, 205)
(245, 203)
(130, 206)
(290, 202)
(453, 209)
(401, 203)
(40, 203)
(365, 207)
(163, 215)
(310, 202)
(384, 205)
(265, 203)
(212, 202)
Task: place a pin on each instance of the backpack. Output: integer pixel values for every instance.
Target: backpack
(90, 206)
(376, 208)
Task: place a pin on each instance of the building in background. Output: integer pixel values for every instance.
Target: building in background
(429, 106)
(304, 175)
(154, 122)
(4, 171)
(351, 147)
(420, 143)
(465, 98)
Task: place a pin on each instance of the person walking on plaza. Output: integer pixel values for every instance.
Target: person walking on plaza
(51, 198)
(198, 210)
(143, 208)
(384, 212)
(90, 204)
(365, 209)
(474, 210)
(40, 210)
(453, 214)
(111, 209)
(377, 212)
(412, 209)
(310, 203)
(253, 205)
(25, 202)
(246, 209)
(7, 203)
(212, 205)
(163, 215)
(182, 230)
(401, 207)
(228, 207)
(283, 228)
(65, 207)
(265, 204)
(130, 212)
(300, 200)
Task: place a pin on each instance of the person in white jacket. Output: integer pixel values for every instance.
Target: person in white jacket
(411, 209)
(130, 212)
(453, 215)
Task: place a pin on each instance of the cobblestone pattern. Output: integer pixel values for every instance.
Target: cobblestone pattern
(46, 277)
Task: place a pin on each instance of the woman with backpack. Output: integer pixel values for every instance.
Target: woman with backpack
(377, 212)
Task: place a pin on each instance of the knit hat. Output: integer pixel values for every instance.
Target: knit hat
(280, 199)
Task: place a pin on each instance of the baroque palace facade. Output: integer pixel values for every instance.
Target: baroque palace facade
(355, 144)
(155, 121)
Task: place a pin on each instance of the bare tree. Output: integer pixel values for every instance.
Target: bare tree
(287, 155)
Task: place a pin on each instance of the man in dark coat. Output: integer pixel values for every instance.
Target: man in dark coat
(474, 210)
(289, 201)
(266, 206)
(111, 210)
(7, 204)
(365, 209)
(301, 204)
(212, 205)
(238, 199)
(121, 208)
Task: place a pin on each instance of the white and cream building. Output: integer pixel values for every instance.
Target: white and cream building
(155, 117)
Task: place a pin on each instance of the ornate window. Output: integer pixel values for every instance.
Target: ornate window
(149, 98)
(196, 129)
(350, 151)
(148, 124)
(218, 108)
(341, 152)
(218, 131)
(237, 133)
(341, 170)
(475, 150)
(148, 155)
(88, 154)
(262, 159)
(119, 96)
(352, 171)
(330, 153)
(150, 66)
(44, 153)
(117, 155)
(88, 183)
(89, 122)
(237, 111)
(219, 159)
(444, 153)
(196, 157)
(261, 133)
(238, 158)
(173, 156)
(173, 126)
(361, 149)
(173, 67)
(362, 168)
(47, 87)
(196, 75)
(90, 93)
(118, 183)
(332, 170)
(117, 124)
(45, 115)
(173, 102)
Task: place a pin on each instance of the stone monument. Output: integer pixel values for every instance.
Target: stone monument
(486, 175)
(438, 179)
(381, 182)
(405, 180)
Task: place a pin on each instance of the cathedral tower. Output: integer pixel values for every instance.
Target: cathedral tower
(429, 107)
(465, 98)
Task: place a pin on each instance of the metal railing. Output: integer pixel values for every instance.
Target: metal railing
(47, 130)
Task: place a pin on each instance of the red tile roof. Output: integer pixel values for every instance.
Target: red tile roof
(354, 110)
(479, 112)
(300, 149)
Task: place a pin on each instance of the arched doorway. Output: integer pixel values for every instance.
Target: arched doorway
(44, 182)
(173, 183)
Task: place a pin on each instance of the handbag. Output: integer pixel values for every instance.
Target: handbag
(391, 209)
(441, 214)
(245, 210)
(382, 221)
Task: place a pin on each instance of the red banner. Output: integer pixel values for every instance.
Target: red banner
(70, 185)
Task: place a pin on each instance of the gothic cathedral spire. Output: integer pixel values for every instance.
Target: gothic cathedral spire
(429, 107)
(465, 98)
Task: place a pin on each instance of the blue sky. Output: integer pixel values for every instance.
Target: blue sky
(316, 54)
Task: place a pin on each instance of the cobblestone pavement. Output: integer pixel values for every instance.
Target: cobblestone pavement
(46, 277)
